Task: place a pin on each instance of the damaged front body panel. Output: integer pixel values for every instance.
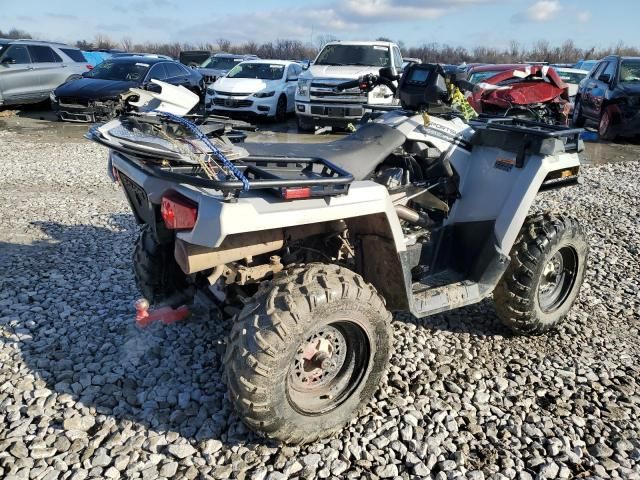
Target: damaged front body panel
(535, 93)
(75, 109)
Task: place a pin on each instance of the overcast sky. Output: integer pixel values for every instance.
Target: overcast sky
(456, 22)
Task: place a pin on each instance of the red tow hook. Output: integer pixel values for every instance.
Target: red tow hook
(166, 315)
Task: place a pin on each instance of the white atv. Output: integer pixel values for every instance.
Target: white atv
(315, 245)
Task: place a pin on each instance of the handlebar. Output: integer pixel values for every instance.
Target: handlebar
(368, 82)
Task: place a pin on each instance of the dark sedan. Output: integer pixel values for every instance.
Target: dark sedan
(610, 98)
(95, 97)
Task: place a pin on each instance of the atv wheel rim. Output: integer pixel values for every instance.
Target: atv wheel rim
(557, 279)
(327, 367)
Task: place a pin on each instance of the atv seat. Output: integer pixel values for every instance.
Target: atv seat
(359, 153)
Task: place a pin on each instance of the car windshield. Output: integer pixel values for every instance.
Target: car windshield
(630, 71)
(572, 77)
(127, 71)
(263, 71)
(478, 77)
(366, 55)
(221, 63)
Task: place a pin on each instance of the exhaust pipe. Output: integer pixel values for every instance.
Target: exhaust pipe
(411, 216)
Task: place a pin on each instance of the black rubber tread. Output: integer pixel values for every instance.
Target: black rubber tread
(516, 296)
(578, 119)
(267, 333)
(609, 134)
(281, 114)
(305, 126)
(157, 274)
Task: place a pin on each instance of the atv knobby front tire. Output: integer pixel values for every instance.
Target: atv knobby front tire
(545, 274)
(307, 353)
(158, 276)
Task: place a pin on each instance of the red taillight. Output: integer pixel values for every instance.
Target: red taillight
(89, 67)
(178, 213)
(294, 193)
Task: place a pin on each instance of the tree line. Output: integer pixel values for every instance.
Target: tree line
(542, 50)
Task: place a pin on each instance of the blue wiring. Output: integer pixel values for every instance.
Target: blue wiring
(193, 128)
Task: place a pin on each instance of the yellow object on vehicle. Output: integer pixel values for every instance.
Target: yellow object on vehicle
(459, 101)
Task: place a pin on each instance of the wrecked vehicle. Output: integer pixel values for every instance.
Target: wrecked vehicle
(533, 92)
(610, 98)
(313, 245)
(96, 96)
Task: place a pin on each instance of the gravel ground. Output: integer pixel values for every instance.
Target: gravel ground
(84, 393)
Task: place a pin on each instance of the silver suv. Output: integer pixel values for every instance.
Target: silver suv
(30, 70)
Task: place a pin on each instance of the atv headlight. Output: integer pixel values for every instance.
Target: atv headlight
(264, 94)
(303, 87)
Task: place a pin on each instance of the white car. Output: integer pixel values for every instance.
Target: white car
(572, 77)
(262, 87)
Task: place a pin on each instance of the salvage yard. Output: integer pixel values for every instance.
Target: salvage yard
(85, 393)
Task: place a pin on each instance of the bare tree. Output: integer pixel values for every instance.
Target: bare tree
(224, 45)
(127, 44)
(102, 41)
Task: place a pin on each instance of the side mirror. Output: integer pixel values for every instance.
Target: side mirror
(605, 78)
(9, 61)
(390, 73)
(153, 87)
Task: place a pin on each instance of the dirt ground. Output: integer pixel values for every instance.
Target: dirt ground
(41, 124)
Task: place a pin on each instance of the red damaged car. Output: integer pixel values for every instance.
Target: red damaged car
(531, 92)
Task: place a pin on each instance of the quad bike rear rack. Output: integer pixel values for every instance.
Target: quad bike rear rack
(525, 137)
(285, 175)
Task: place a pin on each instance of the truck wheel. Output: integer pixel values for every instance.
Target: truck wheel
(545, 274)
(158, 276)
(305, 125)
(307, 353)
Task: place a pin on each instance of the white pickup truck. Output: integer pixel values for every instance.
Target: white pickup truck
(317, 101)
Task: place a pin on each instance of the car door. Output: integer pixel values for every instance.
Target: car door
(291, 83)
(176, 75)
(52, 70)
(603, 83)
(157, 72)
(588, 105)
(18, 78)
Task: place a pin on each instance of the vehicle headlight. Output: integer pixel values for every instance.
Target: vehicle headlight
(52, 97)
(211, 91)
(303, 87)
(382, 92)
(264, 94)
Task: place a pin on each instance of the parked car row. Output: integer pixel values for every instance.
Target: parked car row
(599, 93)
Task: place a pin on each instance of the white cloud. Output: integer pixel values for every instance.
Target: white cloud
(584, 17)
(543, 10)
(540, 11)
(346, 18)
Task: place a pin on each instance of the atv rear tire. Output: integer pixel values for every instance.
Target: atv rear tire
(307, 353)
(158, 276)
(545, 274)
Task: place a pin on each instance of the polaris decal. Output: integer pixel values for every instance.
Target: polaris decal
(443, 135)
